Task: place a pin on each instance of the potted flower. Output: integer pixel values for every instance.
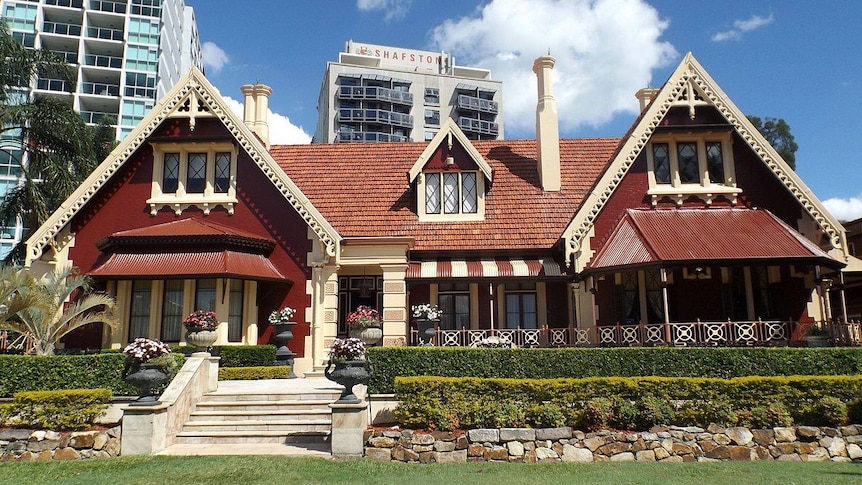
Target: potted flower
(427, 316)
(282, 333)
(146, 374)
(365, 324)
(201, 329)
(351, 366)
(817, 335)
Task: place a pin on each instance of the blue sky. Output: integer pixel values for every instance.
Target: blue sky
(793, 59)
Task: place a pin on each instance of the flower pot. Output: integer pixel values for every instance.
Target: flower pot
(369, 335)
(427, 331)
(281, 335)
(146, 377)
(816, 341)
(201, 339)
(348, 373)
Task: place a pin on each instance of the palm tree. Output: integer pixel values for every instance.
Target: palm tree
(50, 142)
(51, 307)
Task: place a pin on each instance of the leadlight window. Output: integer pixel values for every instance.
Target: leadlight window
(432, 193)
(693, 165)
(454, 301)
(193, 174)
(222, 172)
(197, 173)
(689, 169)
(451, 192)
(171, 179)
(172, 310)
(714, 161)
(662, 163)
(521, 308)
(205, 294)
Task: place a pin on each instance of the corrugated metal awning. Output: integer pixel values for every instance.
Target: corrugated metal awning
(651, 237)
(224, 263)
(486, 268)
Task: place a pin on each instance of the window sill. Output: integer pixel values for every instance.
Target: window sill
(451, 217)
(180, 203)
(683, 192)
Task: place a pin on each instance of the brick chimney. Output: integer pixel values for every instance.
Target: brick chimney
(256, 107)
(547, 126)
(645, 96)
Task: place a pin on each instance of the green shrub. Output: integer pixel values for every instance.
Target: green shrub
(545, 416)
(829, 411)
(253, 373)
(854, 411)
(58, 410)
(247, 355)
(609, 401)
(653, 411)
(392, 362)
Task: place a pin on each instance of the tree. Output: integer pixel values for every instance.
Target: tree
(51, 307)
(50, 142)
(777, 133)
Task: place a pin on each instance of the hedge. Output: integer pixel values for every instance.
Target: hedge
(627, 402)
(391, 362)
(253, 373)
(57, 410)
(46, 373)
(247, 355)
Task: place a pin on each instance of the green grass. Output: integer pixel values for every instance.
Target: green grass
(247, 470)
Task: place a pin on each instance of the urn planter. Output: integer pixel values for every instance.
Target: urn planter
(146, 377)
(369, 335)
(348, 373)
(427, 331)
(281, 335)
(201, 339)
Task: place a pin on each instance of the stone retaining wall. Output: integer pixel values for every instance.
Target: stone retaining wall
(668, 444)
(25, 444)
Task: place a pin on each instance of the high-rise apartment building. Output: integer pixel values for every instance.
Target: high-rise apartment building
(127, 54)
(379, 93)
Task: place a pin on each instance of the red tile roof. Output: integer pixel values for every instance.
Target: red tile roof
(645, 237)
(362, 190)
(224, 263)
(186, 232)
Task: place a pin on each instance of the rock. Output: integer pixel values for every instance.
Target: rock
(714, 428)
(721, 439)
(426, 457)
(515, 448)
(392, 434)
(85, 439)
(381, 454)
(841, 459)
(849, 430)
(100, 441)
(693, 429)
(638, 445)
(673, 459)
(837, 448)
(667, 444)
(444, 446)
(831, 432)
(558, 448)
(576, 455)
(661, 453)
(790, 457)
(788, 448)
(614, 448)
(530, 457)
(854, 439)
(517, 434)
(623, 457)
(707, 446)
(475, 450)
(763, 437)
(484, 435)
(461, 443)
(719, 453)
(39, 446)
(762, 453)
(681, 449)
(38, 435)
(530, 446)
(543, 443)
(45, 455)
(825, 441)
(66, 454)
(648, 436)
(553, 434)
(808, 432)
(854, 451)
(459, 456)
(423, 439)
(424, 448)
(404, 454)
(443, 435)
(12, 434)
(543, 453)
(646, 455)
(496, 453)
(382, 442)
(820, 454)
(784, 435)
(739, 453)
(594, 443)
(741, 436)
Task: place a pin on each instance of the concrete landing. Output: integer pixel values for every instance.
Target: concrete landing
(319, 450)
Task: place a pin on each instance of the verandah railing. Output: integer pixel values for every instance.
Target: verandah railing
(697, 333)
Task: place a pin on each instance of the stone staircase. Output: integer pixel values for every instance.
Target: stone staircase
(294, 412)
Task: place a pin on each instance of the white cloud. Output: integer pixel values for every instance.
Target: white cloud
(395, 9)
(845, 209)
(742, 26)
(605, 50)
(281, 130)
(213, 56)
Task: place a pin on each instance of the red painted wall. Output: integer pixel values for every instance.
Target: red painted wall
(261, 209)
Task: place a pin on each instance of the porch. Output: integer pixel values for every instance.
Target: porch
(698, 333)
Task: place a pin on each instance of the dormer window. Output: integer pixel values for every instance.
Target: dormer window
(684, 166)
(451, 196)
(193, 174)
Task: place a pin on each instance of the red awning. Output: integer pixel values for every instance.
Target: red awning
(648, 237)
(224, 263)
(486, 268)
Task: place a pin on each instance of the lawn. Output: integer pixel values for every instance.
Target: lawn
(247, 470)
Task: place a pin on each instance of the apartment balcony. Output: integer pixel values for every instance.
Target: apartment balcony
(108, 6)
(66, 3)
(93, 117)
(100, 89)
(478, 126)
(56, 85)
(375, 93)
(69, 57)
(376, 116)
(103, 61)
(61, 28)
(477, 104)
(369, 137)
(104, 33)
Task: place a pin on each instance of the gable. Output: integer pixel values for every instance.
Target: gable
(192, 99)
(450, 141)
(691, 88)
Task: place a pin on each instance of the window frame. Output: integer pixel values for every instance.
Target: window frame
(704, 188)
(442, 215)
(181, 200)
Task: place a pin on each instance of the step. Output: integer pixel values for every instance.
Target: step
(275, 415)
(254, 426)
(283, 396)
(284, 405)
(236, 437)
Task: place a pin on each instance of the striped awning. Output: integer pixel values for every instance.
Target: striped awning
(485, 268)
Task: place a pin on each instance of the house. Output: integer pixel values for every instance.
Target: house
(688, 230)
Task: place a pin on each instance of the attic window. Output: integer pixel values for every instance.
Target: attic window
(193, 174)
(682, 166)
(451, 196)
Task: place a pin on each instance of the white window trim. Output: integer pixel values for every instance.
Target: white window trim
(706, 189)
(180, 200)
(479, 215)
